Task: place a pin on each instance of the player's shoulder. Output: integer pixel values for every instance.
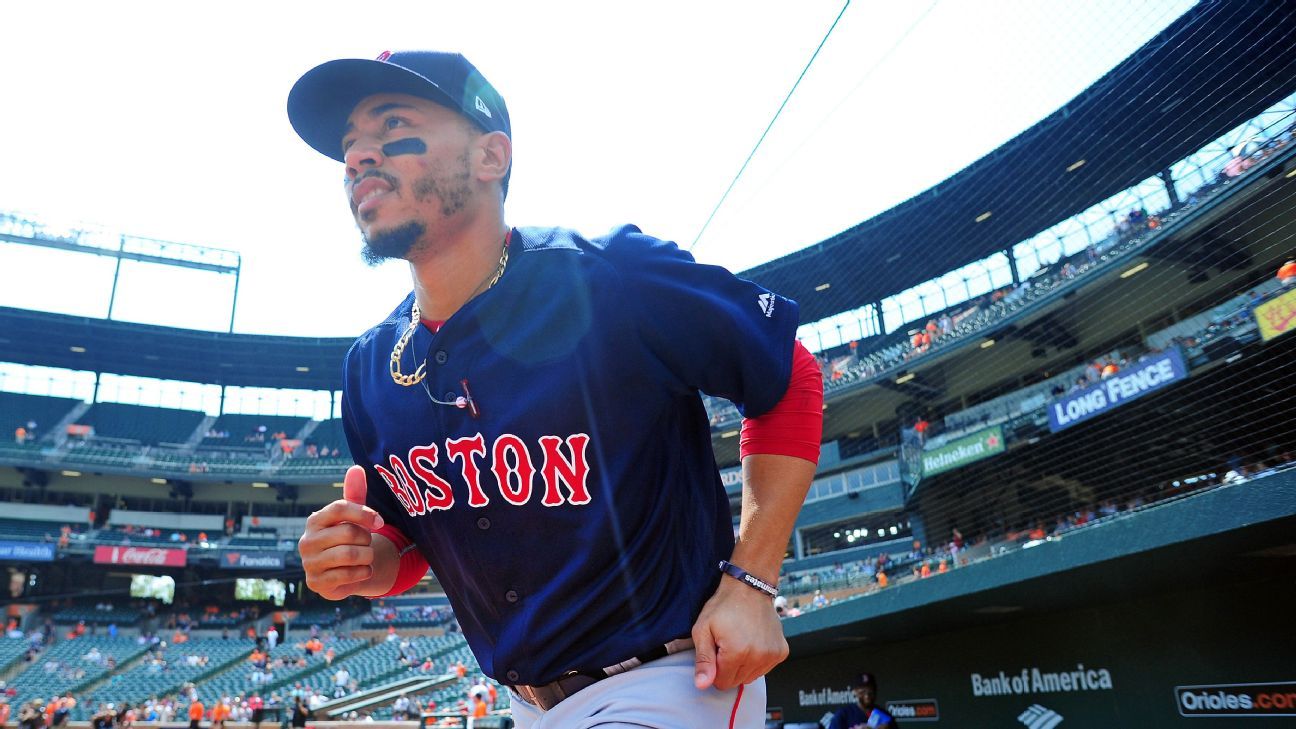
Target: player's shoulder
(393, 323)
(625, 243)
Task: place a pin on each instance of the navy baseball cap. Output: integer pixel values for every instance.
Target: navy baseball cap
(866, 680)
(323, 98)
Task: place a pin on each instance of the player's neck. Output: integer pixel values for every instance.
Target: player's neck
(457, 268)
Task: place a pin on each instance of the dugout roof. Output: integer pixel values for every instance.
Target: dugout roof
(1213, 68)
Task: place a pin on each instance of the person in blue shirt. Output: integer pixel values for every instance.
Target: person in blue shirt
(863, 713)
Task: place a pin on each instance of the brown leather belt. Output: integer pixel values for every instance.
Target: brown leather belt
(549, 695)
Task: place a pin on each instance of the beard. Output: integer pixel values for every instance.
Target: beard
(392, 243)
(450, 188)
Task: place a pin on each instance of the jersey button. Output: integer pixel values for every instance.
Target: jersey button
(513, 676)
(511, 596)
(441, 357)
(483, 523)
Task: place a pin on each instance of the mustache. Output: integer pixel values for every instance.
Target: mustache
(351, 184)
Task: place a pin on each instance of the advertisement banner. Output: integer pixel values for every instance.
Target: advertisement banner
(1276, 316)
(962, 451)
(1237, 699)
(141, 556)
(1139, 379)
(26, 551)
(914, 709)
(239, 560)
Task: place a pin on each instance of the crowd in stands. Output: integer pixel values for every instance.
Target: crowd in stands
(807, 590)
(246, 678)
(980, 314)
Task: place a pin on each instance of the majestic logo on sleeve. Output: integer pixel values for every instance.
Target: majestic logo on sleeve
(766, 302)
(505, 469)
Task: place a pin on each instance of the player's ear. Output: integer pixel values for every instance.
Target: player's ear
(495, 154)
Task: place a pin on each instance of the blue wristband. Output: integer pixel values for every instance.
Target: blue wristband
(743, 576)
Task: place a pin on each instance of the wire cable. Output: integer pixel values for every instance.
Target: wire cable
(770, 126)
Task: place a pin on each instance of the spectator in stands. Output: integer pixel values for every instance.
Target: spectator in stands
(1240, 162)
(196, 711)
(300, 713)
(340, 680)
(1287, 273)
(257, 706)
(4, 712)
(920, 427)
(272, 637)
(29, 716)
(401, 708)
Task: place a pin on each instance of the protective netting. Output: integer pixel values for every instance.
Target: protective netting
(1102, 325)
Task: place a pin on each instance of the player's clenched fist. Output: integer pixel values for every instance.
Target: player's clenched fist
(339, 552)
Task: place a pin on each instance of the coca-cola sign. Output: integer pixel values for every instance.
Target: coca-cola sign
(149, 556)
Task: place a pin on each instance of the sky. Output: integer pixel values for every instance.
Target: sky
(166, 120)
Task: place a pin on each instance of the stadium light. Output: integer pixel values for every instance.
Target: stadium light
(260, 485)
(1075, 165)
(983, 216)
(823, 287)
(338, 485)
(78, 350)
(158, 480)
(1130, 272)
(987, 344)
(72, 473)
(904, 378)
(729, 434)
(303, 369)
(1292, 173)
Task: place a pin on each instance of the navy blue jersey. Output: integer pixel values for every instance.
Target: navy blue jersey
(578, 519)
(852, 716)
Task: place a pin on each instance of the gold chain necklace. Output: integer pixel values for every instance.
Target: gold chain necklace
(405, 380)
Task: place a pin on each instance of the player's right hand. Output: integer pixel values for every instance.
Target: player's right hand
(337, 546)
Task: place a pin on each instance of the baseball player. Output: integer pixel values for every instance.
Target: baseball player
(864, 713)
(528, 423)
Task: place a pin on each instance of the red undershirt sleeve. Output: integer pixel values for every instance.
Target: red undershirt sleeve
(794, 427)
(412, 565)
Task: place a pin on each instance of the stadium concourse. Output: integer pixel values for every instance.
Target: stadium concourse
(1057, 478)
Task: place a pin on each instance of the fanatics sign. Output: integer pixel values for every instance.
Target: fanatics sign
(233, 560)
(146, 556)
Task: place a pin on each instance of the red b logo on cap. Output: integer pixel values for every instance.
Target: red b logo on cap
(384, 55)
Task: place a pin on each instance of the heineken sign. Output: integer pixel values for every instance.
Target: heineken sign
(962, 451)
